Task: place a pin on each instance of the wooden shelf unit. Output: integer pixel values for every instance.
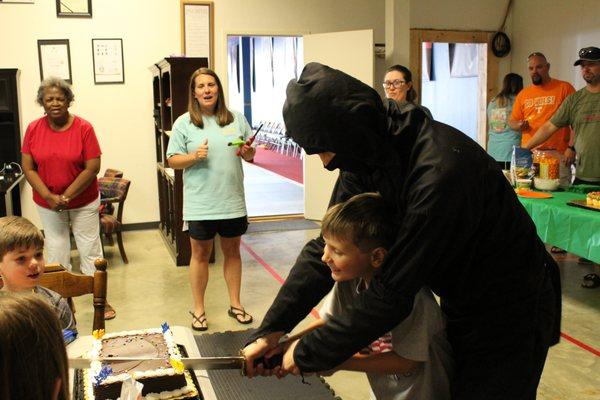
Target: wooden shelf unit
(170, 80)
(10, 138)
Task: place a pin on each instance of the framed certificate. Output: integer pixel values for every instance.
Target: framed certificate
(55, 59)
(197, 29)
(108, 61)
(74, 8)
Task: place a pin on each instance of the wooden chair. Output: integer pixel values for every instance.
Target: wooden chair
(108, 208)
(69, 285)
(114, 190)
(113, 173)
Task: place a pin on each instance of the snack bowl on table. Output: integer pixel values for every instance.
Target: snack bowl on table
(523, 183)
(508, 176)
(546, 184)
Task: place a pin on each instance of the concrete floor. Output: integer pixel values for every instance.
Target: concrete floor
(268, 193)
(151, 290)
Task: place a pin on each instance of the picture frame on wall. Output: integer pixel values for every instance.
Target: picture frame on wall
(74, 8)
(197, 30)
(108, 61)
(55, 59)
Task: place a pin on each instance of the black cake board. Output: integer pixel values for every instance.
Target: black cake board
(230, 384)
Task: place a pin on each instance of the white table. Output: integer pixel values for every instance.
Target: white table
(182, 335)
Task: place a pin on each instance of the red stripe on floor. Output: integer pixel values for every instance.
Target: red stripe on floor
(580, 344)
(315, 313)
(271, 271)
(290, 167)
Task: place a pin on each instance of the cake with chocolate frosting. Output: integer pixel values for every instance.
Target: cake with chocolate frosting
(163, 377)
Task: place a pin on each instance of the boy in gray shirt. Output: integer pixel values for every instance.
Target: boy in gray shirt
(22, 265)
(413, 361)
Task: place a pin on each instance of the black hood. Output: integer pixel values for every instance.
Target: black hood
(328, 110)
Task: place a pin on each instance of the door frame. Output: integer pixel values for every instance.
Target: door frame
(225, 83)
(419, 36)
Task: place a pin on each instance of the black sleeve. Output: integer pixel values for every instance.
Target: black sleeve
(309, 279)
(435, 226)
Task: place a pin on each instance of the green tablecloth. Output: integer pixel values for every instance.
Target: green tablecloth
(574, 229)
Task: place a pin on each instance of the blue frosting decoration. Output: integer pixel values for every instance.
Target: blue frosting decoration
(69, 335)
(103, 374)
(165, 327)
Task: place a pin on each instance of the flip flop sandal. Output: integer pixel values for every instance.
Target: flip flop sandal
(590, 281)
(240, 315)
(557, 250)
(201, 320)
(109, 312)
(584, 261)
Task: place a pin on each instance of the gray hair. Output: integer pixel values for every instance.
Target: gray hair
(57, 83)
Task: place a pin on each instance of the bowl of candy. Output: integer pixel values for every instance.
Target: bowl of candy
(523, 184)
(546, 184)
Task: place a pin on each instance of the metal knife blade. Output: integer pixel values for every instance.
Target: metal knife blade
(233, 362)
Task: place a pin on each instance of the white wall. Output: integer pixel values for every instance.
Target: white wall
(122, 114)
(465, 15)
(558, 29)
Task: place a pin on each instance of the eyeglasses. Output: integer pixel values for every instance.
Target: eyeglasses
(396, 83)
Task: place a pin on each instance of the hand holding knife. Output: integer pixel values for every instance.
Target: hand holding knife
(240, 142)
(266, 357)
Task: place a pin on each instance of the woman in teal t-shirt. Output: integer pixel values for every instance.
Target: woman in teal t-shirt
(213, 187)
(501, 138)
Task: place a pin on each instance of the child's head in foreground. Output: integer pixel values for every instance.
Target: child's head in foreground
(21, 253)
(357, 235)
(33, 360)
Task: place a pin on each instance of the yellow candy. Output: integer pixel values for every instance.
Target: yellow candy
(178, 365)
(98, 333)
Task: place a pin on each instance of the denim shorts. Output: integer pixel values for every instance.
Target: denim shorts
(228, 228)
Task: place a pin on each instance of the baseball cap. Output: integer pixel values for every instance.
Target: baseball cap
(588, 54)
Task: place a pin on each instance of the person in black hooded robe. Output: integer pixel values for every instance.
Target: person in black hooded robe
(460, 230)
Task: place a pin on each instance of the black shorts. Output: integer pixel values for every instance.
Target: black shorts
(228, 228)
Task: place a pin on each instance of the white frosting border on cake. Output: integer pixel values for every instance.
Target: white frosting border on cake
(96, 366)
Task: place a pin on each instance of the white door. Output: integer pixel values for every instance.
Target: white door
(352, 53)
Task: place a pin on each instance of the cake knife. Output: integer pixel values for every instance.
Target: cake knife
(206, 363)
(231, 362)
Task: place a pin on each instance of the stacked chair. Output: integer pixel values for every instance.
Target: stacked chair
(113, 190)
(272, 136)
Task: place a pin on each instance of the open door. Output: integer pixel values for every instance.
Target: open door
(352, 53)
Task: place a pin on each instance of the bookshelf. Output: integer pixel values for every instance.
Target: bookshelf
(10, 141)
(170, 80)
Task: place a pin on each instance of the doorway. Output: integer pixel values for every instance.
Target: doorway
(351, 52)
(451, 83)
(482, 84)
(259, 69)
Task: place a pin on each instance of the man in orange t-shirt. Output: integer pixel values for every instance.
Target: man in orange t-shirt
(535, 104)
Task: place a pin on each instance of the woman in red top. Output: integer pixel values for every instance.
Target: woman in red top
(61, 158)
